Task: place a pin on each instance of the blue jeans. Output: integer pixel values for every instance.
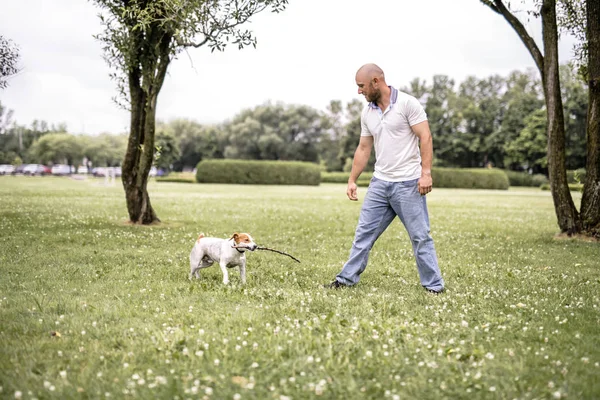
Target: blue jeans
(383, 202)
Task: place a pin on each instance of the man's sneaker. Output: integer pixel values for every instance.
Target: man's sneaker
(334, 285)
(435, 291)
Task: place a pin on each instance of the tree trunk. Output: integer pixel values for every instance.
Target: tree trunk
(566, 213)
(139, 155)
(590, 202)
(146, 77)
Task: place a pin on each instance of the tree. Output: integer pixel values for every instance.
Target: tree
(195, 142)
(480, 102)
(5, 118)
(330, 142)
(529, 148)
(276, 132)
(166, 151)
(522, 97)
(57, 148)
(351, 137)
(569, 220)
(104, 150)
(17, 139)
(418, 89)
(140, 39)
(443, 120)
(575, 101)
(9, 56)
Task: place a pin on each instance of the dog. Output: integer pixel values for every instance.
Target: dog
(228, 253)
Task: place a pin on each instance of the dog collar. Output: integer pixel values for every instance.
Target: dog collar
(239, 251)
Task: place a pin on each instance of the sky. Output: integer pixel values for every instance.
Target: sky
(309, 55)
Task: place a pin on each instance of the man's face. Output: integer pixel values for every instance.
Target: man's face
(367, 87)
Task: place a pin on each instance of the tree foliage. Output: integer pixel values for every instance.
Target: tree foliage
(275, 132)
(9, 57)
(57, 148)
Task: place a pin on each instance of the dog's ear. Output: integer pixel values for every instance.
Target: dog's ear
(235, 236)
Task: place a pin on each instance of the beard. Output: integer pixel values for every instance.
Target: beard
(374, 97)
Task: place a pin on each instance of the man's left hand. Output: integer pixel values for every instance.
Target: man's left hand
(425, 184)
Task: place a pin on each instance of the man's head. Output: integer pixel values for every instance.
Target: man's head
(370, 80)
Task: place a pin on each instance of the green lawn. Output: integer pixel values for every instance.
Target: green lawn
(520, 318)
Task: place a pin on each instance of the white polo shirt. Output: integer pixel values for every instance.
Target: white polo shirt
(396, 146)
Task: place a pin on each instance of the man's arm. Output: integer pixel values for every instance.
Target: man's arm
(361, 157)
(422, 131)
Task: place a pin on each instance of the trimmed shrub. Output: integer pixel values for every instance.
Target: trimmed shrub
(573, 187)
(342, 177)
(176, 180)
(464, 178)
(470, 178)
(516, 178)
(256, 172)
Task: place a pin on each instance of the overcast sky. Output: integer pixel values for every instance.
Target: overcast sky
(308, 54)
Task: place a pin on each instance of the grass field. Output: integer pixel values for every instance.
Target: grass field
(91, 307)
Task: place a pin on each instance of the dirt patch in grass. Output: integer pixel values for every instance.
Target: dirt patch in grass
(578, 237)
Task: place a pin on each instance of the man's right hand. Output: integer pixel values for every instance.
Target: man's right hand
(351, 192)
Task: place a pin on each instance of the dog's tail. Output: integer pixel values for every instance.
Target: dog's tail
(200, 237)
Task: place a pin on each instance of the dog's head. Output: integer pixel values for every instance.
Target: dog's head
(243, 241)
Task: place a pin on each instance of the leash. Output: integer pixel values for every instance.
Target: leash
(273, 250)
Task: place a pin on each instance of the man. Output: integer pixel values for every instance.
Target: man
(395, 122)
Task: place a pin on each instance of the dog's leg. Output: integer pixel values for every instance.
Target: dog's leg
(225, 273)
(195, 260)
(243, 272)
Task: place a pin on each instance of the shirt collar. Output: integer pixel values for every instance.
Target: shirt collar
(393, 98)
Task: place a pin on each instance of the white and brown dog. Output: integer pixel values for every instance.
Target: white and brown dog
(228, 253)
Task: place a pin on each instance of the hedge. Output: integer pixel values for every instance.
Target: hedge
(516, 178)
(470, 178)
(574, 187)
(459, 178)
(342, 177)
(255, 172)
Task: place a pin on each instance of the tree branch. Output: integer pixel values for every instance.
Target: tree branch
(499, 7)
(491, 5)
(222, 26)
(190, 44)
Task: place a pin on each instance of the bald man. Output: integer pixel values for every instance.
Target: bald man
(396, 124)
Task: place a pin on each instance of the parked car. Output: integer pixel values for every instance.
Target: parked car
(36, 169)
(6, 169)
(30, 169)
(82, 169)
(61, 169)
(19, 169)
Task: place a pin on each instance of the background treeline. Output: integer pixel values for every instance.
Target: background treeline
(495, 121)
